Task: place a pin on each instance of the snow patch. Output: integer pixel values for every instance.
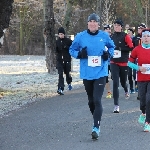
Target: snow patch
(27, 80)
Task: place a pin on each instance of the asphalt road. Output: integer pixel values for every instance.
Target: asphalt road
(65, 123)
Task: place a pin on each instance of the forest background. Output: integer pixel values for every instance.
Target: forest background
(25, 33)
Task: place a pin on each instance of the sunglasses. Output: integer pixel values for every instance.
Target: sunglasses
(140, 28)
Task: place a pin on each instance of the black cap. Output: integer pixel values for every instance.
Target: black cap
(118, 21)
(61, 30)
(130, 29)
(107, 26)
(94, 17)
(142, 25)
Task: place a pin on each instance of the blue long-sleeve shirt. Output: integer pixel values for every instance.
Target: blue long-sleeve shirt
(95, 46)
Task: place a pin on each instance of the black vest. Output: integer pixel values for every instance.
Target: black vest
(119, 41)
(137, 40)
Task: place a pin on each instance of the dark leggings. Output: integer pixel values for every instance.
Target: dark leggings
(131, 77)
(64, 67)
(95, 89)
(107, 80)
(144, 95)
(118, 72)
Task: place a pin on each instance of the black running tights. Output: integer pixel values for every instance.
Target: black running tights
(95, 89)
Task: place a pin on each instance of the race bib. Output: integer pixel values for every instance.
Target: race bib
(147, 66)
(117, 54)
(94, 61)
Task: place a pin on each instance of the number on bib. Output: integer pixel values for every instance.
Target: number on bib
(117, 54)
(94, 61)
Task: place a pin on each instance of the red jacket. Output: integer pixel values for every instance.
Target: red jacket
(143, 56)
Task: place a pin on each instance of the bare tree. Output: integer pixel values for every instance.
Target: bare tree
(28, 20)
(5, 13)
(108, 12)
(49, 34)
(66, 23)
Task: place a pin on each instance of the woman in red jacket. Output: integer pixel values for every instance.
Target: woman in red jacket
(142, 53)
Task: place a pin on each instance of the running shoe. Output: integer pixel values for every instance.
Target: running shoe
(132, 91)
(94, 127)
(141, 119)
(109, 95)
(147, 127)
(95, 133)
(60, 92)
(127, 95)
(69, 87)
(116, 109)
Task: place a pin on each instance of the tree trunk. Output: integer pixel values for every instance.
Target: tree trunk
(68, 15)
(5, 13)
(49, 34)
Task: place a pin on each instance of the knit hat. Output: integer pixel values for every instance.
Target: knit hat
(131, 30)
(118, 21)
(61, 30)
(142, 25)
(107, 26)
(94, 17)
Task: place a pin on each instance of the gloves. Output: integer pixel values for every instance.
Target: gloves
(105, 55)
(82, 53)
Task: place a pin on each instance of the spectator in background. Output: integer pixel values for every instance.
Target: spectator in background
(127, 26)
(63, 60)
(130, 32)
(107, 28)
(131, 72)
(137, 39)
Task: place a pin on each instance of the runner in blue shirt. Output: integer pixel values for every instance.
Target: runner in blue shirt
(89, 47)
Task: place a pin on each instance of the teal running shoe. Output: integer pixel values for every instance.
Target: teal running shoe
(95, 133)
(141, 119)
(147, 127)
